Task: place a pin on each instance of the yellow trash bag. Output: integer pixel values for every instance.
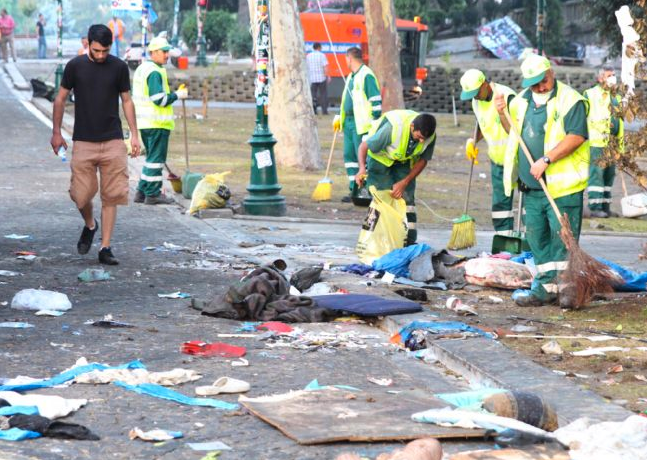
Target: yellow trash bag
(211, 192)
(385, 226)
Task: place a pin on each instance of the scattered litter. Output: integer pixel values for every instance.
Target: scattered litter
(9, 273)
(552, 348)
(615, 369)
(571, 374)
(275, 326)
(52, 429)
(108, 322)
(16, 434)
(495, 299)
(48, 405)
(29, 257)
(36, 299)
(455, 304)
(305, 278)
(315, 386)
(213, 445)
(380, 382)
(14, 236)
(49, 313)
(25, 253)
(600, 351)
(522, 328)
(4, 303)
(154, 435)
(640, 377)
(175, 295)
(482, 176)
(240, 362)
(137, 376)
(223, 385)
(319, 341)
(318, 289)
(158, 391)
(348, 414)
(215, 454)
(497, 273)
(224, 350)
(8, 411)
(16, 325)
(414, 335)
(94, 274)
(388, 278)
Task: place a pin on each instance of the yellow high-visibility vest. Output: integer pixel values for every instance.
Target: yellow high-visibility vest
(566, 176)
(149, 115)
(490, 124)
(599, 119)
(397, 150)
(362, 109)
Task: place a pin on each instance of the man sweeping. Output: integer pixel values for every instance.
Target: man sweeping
(397, 149)
(601, 125)
(361, 104)
(494, 129)
(551, 118)
(153, 100)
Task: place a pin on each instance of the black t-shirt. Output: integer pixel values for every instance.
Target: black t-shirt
(97, 87)
(41, 29)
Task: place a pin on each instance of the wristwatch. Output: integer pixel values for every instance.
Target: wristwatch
(546, 159)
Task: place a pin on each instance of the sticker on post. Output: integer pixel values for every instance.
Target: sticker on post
(263, 159)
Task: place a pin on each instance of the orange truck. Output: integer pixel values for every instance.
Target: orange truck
(348, 30)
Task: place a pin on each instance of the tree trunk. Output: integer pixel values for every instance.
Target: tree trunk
(292, 120)
(243, 13)
(382, 48)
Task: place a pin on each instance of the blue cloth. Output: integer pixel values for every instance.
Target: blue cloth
(314, 385)
(13, 410)
(398, 260)
(438, 327)
(69, 375)
(521, 258)
(158, 391)
(634, 282)
(358, 269)
(366, 305)
(16, 434)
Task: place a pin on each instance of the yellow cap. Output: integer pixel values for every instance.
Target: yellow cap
(533, 69)
(471, 82)
(159, 43)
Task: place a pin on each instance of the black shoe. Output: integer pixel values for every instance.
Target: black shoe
(347, 199)
(599, 214)
(159, 199)
(106, 257)
(139, 197)
(85, 241)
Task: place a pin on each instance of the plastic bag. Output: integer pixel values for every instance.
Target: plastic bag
(211, 192)
(384, 228)
(497, 273)
(397, 261)
(36, 299)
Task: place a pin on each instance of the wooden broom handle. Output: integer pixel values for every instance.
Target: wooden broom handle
(624, 184)
(469, 182)
(332, 148)
(541, 181)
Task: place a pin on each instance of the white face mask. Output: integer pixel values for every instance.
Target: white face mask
(541, 99)
(612, 80)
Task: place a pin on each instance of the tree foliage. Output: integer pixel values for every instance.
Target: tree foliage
(217, 24)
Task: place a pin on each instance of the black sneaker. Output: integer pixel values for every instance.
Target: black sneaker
(85, 241)
(159, 199)
(106, 257)
(139, 197)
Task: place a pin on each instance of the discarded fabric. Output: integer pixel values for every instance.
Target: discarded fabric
(175, 295)
(367, 305)
(213, 445)
(69, 375)
(224, 350)
(154, 435)
(357, 269)
(438, 266)
(48, 405)
(435, 327)
(16, 434)
(438, 285)
(52, 429)
(305, 278)
(138, 376)
(469, 400)
(274, 326)
(37, 299)
(315, 386)
(158, 391)
(498, 273)
(7, 411)
(16, 325)
(94, 274)
(397, 261)
(223, 385)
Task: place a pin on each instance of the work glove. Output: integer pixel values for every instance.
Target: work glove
(336, 123)
(471, 151)
(182, 92)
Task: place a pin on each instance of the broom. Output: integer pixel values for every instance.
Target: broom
(584, 276)
(323, 190)
(464, 228)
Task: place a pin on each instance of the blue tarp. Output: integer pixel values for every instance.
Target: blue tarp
(398, 260)
(70, 375)
(16, 434)
(6, 411)
(158, 391)
(366, 305)
(634, 282)
(439, 327)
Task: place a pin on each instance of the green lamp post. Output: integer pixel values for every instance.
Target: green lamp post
(58, 75)
(263, 188)
(541, 21)
(201, 42)
(176, 13)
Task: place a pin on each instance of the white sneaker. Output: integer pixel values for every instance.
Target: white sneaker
(223, 385)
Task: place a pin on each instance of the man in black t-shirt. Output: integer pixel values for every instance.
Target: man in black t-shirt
(98, 81)
(40, 31)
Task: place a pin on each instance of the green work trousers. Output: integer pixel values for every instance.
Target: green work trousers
(600, 182)
(542, 233)
(156, 144)
(502, 213)
(383, 177)
(352, 140)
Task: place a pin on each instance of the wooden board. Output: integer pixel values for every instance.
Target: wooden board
(529, 453)
(319, 417)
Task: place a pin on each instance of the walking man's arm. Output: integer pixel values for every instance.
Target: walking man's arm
(129, 111)
(57, 120)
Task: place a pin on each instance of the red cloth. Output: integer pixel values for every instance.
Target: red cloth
(274, 326)
(224, 350)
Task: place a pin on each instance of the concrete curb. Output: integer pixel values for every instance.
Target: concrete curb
(16, 77)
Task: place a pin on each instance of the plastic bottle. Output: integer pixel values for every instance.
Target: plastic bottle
(62, 153)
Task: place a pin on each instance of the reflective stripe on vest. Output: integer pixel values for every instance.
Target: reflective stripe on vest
(566, 176)
(490, 124)
(401, 131)
(362, 109)
(150, 115)
(599, 119)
